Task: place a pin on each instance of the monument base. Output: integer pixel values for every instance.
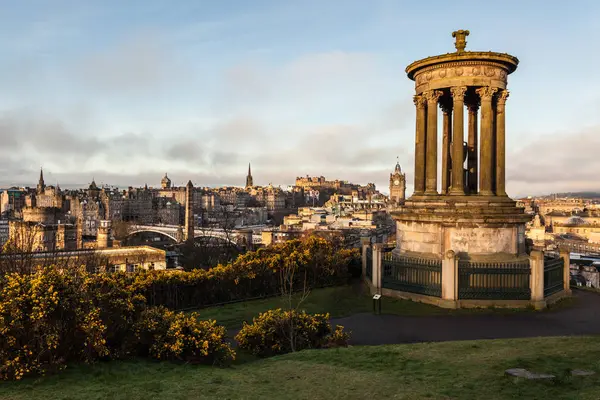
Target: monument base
(474, 227)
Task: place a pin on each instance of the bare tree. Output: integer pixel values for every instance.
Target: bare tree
(295, 289)
(121, 229)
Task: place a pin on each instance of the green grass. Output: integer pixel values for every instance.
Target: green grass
(342, 301)
(451, 370)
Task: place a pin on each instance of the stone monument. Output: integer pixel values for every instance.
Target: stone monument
(466, 210)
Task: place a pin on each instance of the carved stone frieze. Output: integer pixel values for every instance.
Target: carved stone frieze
(462, 73)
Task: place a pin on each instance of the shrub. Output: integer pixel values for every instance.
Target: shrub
(52, 317)
(279, 332)
(46, 320)
(339, 337)
(168, 335)
(120, 307)
(254, 274)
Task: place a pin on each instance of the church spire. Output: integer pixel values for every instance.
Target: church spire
(249, 180)
(41, 185)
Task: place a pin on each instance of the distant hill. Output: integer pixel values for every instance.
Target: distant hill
(585, 195)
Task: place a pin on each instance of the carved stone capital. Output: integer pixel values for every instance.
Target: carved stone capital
(433, 96)
(419, 101)
(446, 106)
(502, 96)
(473, 107)
(458, 93)
(486, 93)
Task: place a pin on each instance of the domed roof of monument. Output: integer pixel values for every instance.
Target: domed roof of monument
(509, 62)
(165, 179)
(93, 185)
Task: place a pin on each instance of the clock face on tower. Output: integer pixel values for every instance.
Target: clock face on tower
(396, 182)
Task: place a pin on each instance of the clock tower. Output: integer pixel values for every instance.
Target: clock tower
(397, 185)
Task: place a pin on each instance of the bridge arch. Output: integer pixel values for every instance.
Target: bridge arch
(214, 235)
(136, 231)
(233, 237)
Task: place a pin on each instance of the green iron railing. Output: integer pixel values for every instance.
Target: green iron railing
(412, 274)
(369, 272)
(553, 275)
(494, 280)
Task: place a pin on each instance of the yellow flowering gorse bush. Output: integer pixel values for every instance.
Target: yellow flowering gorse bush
(280, 331)
(253, 274)
(168, 335)
(53, 317)
(47, 318)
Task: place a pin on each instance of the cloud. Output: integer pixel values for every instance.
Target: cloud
(563, 161)
(310, 84)
(139, 63)
(187, 150)
(26, 130)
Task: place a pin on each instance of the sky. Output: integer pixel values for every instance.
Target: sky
(123, 92)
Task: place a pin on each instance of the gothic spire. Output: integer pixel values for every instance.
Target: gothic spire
(41, 185)
(249, 180)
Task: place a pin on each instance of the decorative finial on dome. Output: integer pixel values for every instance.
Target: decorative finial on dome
(461, 40)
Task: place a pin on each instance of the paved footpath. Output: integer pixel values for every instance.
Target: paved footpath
(580, 319)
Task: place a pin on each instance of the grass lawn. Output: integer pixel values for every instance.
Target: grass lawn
(451, 370)
(340, 302)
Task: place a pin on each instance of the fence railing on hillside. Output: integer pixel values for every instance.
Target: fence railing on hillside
(412, 274)
(494, 280)
(553, 275)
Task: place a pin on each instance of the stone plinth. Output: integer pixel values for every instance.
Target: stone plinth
(468, 225)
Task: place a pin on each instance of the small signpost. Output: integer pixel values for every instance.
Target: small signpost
(377, 304)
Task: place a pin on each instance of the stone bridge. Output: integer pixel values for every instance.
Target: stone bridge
(576, 246)
(237, 236)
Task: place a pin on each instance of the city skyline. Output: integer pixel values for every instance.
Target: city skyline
(124, 93)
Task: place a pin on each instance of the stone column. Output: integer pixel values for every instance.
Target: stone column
(446, 139)
(458, 100)
(536, 263)
(189, 212)
(377, 266)
(501, 144)
(449, 280)
(485, 156)
(472, 147)
(365, 242)
(432, 97)
(420, 103)
(493, 137)
(565, 254)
